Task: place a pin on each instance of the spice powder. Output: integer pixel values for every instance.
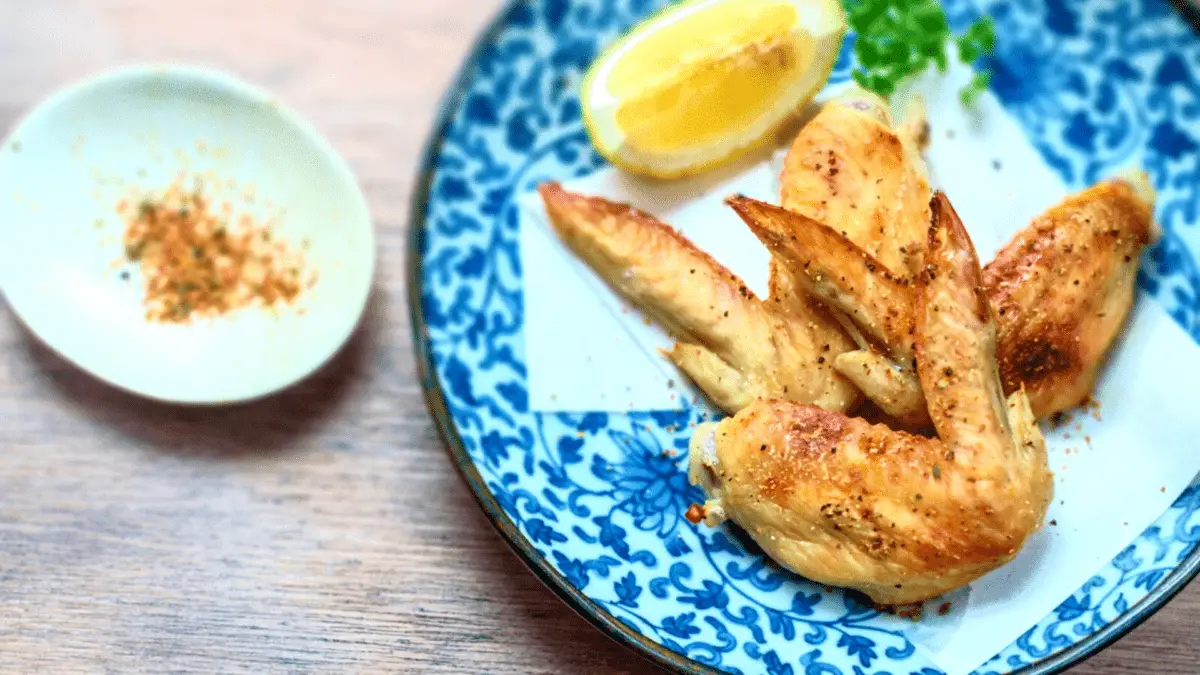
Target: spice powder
(197, 263)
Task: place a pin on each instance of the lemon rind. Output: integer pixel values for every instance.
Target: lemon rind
(825, 24)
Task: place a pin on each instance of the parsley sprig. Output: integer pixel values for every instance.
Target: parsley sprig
(899, 38)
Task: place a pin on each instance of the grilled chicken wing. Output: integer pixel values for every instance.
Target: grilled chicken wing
(848, 164)
(851, 168)
(827, 265)
(902, 518)
(1063, 289)
(731, 344)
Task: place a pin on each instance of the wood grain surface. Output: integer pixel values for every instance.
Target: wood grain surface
(322, 530)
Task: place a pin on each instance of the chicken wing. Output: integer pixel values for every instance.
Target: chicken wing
(828, 266)
(902, 518)
(1063, 289)
(731, 344)
(851, 168)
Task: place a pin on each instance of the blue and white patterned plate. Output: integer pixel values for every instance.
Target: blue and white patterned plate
(595, 503)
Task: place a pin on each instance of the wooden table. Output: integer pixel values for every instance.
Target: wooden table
(323, 530)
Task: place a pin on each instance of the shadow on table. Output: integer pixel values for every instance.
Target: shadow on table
(265, 425)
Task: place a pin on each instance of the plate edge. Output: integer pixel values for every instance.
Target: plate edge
(554, 581)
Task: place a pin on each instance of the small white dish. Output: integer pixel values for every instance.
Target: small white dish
(68, 164)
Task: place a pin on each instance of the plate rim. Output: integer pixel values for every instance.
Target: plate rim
(550, 577)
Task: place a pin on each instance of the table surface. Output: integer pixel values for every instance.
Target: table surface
(322, 530)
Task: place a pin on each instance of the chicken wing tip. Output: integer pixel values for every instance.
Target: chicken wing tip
(946, 218)
(755, 213)
(1142, 185)
(763, 219)
(581, 210)
(950, 243)
(864, 101)
(558, 199)
(1139, 181)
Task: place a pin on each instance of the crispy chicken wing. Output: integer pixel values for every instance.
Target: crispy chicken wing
(902, 518)
(852, 169)
(1063, 289)
(731, 344)
(827, 265)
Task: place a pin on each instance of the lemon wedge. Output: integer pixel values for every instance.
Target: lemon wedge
(706, 81)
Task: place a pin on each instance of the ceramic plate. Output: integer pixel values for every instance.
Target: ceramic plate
(119, 135)
(595, 502)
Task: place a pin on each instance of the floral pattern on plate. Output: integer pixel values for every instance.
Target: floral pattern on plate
(599, 498)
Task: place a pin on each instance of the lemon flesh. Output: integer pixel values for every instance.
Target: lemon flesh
(708, 80)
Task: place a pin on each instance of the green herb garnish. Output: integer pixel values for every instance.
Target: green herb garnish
(896, 39)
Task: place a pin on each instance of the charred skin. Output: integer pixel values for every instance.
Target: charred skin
(1064, 287)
